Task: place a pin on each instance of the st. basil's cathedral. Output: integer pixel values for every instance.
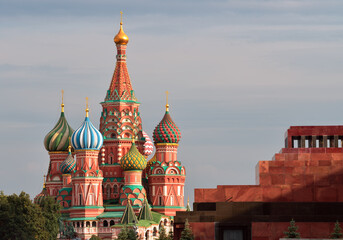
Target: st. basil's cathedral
(102, 179)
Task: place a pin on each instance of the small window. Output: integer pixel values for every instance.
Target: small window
(111, 223)
(93, 224)
(105, 223)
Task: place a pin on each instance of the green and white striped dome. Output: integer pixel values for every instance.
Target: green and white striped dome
(58, 138)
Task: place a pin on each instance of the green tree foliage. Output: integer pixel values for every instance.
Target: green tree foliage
(187, 233)
(69, 231)
(51, 213)
(123, 235)
(162, 233)
(95, 238)
(132, 235)
(292, 230)
(337, 231)
(22, 219)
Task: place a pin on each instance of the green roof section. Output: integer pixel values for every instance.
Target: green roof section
(129, 215)
(145, 212)
(83, 219)
(110, 215)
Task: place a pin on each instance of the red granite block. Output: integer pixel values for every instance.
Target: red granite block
(314, 162)
(318, 150)
(324, 163)
(334, 150)
(271, 193)
(326, 194)
(299, 170)
(339, 193)
(304, 156)
(263, 166)
(286, 193)
(276, 163)
(260, 229)
(304, 150)
(265, 179)
(309, 179)
(337, 156)
(320, 229)
(203, 230)
(279, 157)
(295, 179)
(278, 229)
(276, 170)
(321, 180)
(337, 162)
(304, 229)
(320, 156)
(259, 238)
(302, 193)
(244, 193)
(278, 179)
(208, 195)
(289, 170)
(296, 163)
(291, 156)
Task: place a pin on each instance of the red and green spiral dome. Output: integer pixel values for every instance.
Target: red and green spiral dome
(166, 131)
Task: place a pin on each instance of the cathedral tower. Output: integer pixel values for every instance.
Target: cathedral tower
(119, 122)
(87, 179)
(166, 175)
(56, 143)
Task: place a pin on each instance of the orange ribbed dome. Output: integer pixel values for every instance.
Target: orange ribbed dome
(121, 38)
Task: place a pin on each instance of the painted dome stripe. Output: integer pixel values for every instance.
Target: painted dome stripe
(87, 136)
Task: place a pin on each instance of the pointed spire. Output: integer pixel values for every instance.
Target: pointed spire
(188, 208)
(167, 105)
(87, 109)
(62, 104)
(44, 181)
(145, 212)
(129, 215)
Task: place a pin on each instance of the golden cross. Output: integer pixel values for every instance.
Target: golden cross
(167, 96)
(62, 95)
(121, 16)
(167, 105)
(87, 102)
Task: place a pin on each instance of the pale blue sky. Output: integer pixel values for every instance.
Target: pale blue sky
(239, 74)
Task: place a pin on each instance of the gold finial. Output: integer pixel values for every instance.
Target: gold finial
(62, 105)
(44, 181)
(69, 147)
(87, 109)
(167, 105)
(121, 38)
(133, 138)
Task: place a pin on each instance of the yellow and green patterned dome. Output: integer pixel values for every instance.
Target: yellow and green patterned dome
(133, 160)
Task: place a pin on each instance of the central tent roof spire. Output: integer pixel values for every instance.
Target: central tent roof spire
(120, 88)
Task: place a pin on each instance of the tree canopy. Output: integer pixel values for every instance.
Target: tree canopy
(22, 219)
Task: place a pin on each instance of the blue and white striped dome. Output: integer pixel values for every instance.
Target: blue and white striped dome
(87, 137)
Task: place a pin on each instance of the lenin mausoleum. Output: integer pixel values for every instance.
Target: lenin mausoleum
(103, 179)
(304, 182)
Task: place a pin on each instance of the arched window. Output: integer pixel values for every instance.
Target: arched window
(154, 233)
(91, 200)
(115, 188)
(78, 224)
(88, 224)
(165, 222)
(160, 200)
(111, 223)
(171, 200)
(82, 225)
(147, 235)
(105, 223)
(93, 224)
(80, 199)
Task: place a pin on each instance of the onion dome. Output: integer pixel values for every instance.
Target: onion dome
(42, 195)
(148, 146)
(133, 159)
(166, 131)
(87, 136)
(121, 38)
(58, 138)
(69, 164)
